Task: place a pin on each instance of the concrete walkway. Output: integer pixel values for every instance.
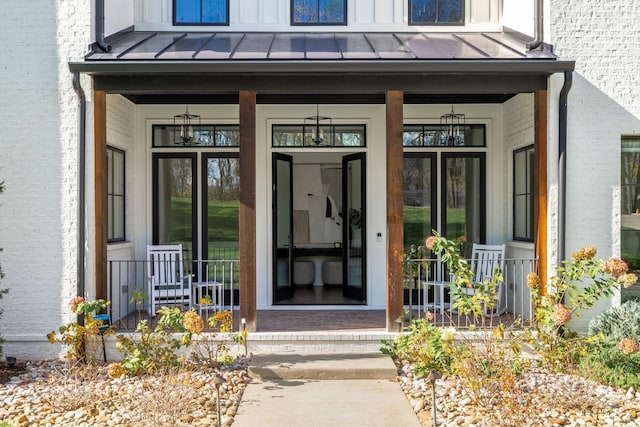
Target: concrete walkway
(335, 389)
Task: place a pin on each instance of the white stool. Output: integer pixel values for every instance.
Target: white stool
(332, 273)
(304, 273)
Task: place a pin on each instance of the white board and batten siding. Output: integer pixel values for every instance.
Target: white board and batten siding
(274, 15)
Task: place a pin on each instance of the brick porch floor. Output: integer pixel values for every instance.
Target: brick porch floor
(313, 320)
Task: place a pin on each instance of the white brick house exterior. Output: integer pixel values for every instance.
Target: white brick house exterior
(40, 116)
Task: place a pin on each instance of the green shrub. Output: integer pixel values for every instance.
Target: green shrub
(607, 364)
(154, 351)
(618, 322)
(427, 346)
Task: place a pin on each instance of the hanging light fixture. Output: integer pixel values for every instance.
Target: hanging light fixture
(315, 127)
(187, 129)
(452, 128)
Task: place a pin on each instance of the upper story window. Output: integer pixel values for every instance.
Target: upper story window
(318, 12)
(200, 12)
(429, 12)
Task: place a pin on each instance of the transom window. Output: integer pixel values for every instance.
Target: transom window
(319, 136)
(115, 195)
(201, 12)
(318, 12)
(430, 12)
(432, 135)
(203, 135)
(523, 194)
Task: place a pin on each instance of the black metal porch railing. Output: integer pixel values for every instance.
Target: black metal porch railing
(426, 290)
(128, 288)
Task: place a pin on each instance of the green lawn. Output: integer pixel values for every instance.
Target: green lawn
(417, 224)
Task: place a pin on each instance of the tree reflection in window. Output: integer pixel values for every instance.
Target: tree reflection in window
(436, 12)
(318, 12)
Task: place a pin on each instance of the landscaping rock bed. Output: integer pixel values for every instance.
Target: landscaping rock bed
(49, 393)
(541, 399)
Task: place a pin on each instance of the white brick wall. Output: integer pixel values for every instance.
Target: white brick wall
(518, 132)
(603, 37)
(38, 162)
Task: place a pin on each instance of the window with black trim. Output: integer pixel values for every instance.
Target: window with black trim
(434, 135)
(523, 195)
(318, 12)
(115, 195)
(319, 135)
(429, 12)
(201, 12)
(203, 135)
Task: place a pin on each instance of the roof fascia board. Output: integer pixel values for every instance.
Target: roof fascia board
(471, 67)
(349, 83)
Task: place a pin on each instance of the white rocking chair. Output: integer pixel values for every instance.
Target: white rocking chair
(485, 259)
(168, 285)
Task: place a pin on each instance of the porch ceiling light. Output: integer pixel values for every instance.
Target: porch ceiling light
(317, 129)
(452, 128)
(187, 129)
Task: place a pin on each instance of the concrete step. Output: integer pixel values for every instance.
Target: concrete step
(318, 342)
(322, 366)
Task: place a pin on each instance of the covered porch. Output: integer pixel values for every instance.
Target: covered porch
(491, 77)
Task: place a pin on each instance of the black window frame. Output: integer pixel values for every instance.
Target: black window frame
(436, 22)
(112, 194)
(434, 128)
(306, 129)
(528, 194)
(292, 5)
(199, 23)
(213, 128)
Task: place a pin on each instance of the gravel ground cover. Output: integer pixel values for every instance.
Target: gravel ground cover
(543, 399)
(49, 393)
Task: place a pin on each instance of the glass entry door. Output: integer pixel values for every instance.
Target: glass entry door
(282, 227)
(354, 235)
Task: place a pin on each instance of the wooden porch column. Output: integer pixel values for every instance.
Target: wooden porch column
(248, 209)
(100, 190)
(395, 298)
(540, 183)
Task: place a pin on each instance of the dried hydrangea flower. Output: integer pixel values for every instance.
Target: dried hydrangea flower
(628, 279)
(193, 322)
(431, 240)
(74, 303)
(628, 346)
(615, 267)
(115, 370)
(561, 314)
(533, 280)
(588, 252)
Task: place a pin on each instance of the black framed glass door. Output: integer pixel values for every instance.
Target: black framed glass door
(282, 192)
(354, 232)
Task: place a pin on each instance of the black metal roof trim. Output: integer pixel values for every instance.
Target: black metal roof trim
(302, 67)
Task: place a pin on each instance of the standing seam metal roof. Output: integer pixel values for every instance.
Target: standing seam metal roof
(230, 46)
